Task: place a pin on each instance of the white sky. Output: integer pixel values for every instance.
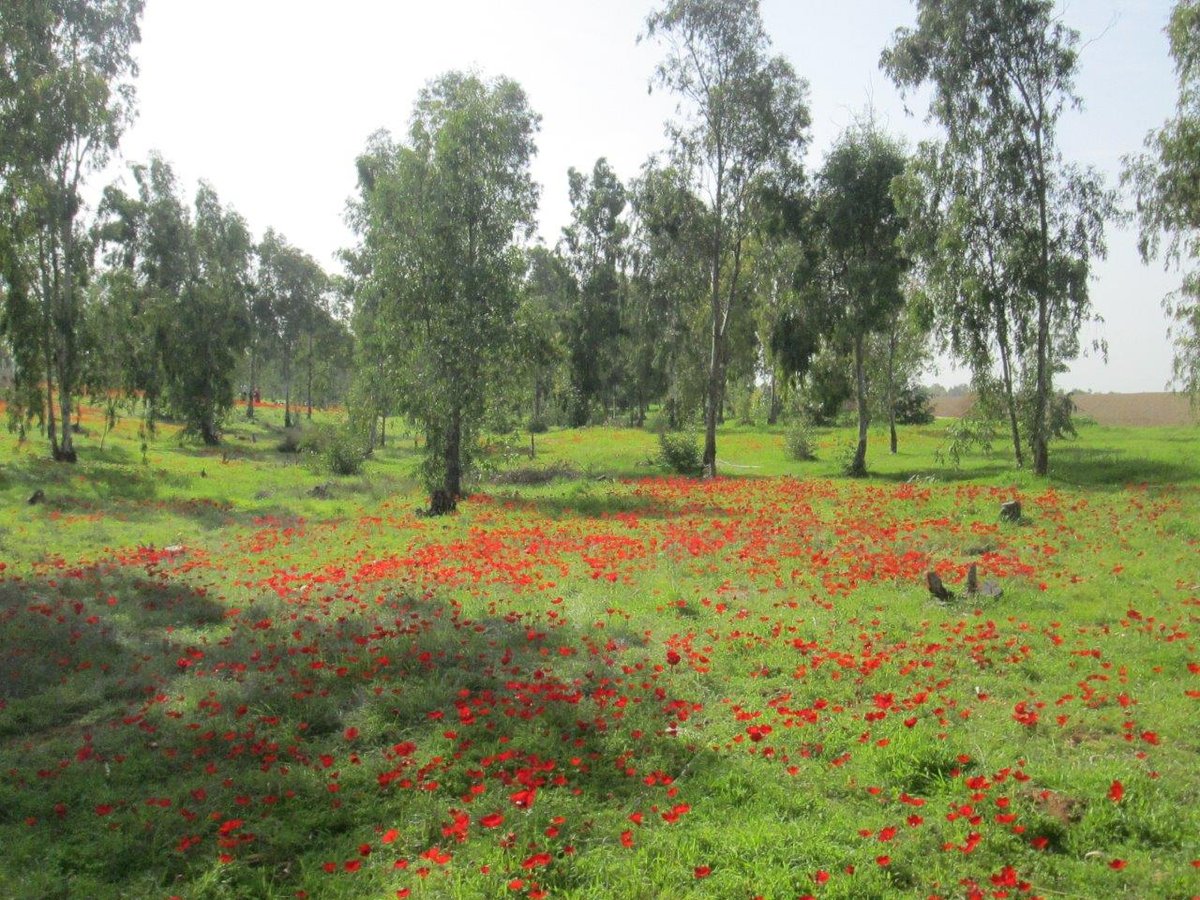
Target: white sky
(271, 100)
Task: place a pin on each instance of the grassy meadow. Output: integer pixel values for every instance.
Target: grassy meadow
(225, 674)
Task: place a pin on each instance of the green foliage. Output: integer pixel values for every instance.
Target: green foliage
(293, 440)
(743, 126)
(1164, 180)
(336, 449)
(968, 434)
(859, 264)
(913, 406)
(176, 297)
(437, 269)
(595, 248)
(1006, 230)
(65, 98)
(801, 442)
(680, 452)
(291, 309)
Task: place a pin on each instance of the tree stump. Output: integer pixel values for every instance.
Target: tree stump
(1010, 511)
(934, 583)
(972, 580)
(38, 496)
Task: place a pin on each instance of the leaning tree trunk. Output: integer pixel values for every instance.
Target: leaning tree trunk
(858, 467)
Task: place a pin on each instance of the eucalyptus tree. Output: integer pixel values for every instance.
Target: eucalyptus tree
(963, 236)
(293, 285)
(594, 244)
(149, 249)
(439, 218)
(65, 99)
(668, 292)
(209, 326)
(181, 278)
(742, 118)
(544, 324)
(1002, 74)
(861, 268)
(1165, 182)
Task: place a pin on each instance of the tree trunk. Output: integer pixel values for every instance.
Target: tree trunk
(1041, 395)
(308, 385)
(51, 425)
(253, 380)
(66, 350)
(712, 402)
(1010, 398)
(446, 499)
(891, 384)
(858, 467)
(383, 430)
(208, 432)
(772, 402)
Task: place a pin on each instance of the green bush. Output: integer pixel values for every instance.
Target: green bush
(538, 425)
(680, 452)
(801, 442)
(913, 406)
(337, 450)
(291, 441)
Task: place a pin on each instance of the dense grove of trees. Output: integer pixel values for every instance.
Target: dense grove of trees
(722, 280)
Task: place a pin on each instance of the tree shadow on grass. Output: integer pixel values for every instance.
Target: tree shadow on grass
(307, 723)
(1115, 468)
(945, 474)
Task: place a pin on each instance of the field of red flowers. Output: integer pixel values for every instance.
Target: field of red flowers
(634, 687)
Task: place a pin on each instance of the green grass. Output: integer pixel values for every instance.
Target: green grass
(214, 683)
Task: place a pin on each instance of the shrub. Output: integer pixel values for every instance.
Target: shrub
(291, 441)
(345, 453)
(801, 442)
(538, 425)
(913, 406)
(337, 450)
(680, 452)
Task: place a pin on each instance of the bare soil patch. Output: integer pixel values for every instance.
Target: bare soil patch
(1161, 408)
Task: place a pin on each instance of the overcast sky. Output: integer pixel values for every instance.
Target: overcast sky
(271, 100)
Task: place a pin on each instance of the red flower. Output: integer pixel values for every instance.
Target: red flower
(703, 871)
(524, 798)
(1117, 864)
(536, 861)
(1116, 791)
